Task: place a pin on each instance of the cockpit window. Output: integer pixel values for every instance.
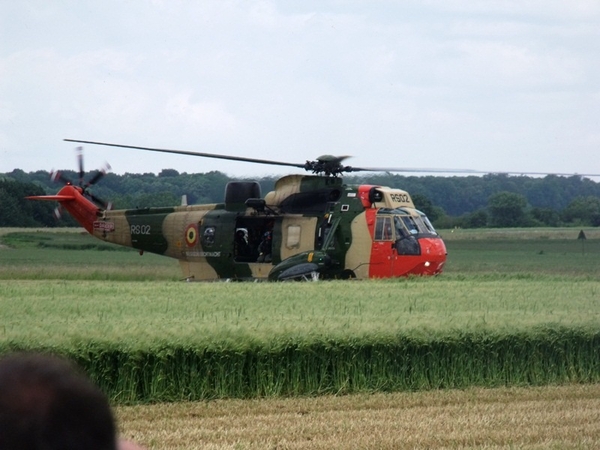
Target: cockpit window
(410, 224)
(426, 223)
(399, 226)
(414, 224)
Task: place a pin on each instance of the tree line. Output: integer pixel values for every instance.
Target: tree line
(468, 201)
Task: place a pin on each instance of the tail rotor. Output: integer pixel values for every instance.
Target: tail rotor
(58, 177)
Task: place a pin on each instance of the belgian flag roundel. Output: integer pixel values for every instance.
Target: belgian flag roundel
(191, 235)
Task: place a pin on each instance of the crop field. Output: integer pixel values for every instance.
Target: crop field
(553, 417)
(514, 308)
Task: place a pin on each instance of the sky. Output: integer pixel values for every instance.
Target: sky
(488, 85)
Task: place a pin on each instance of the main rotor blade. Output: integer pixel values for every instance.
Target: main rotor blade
(184, 152)
(465, 171)
(411, 169)
(330, 164)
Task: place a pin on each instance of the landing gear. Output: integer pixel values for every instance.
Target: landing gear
(347, 274)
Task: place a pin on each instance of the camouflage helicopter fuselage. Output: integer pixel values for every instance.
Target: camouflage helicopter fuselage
(315, 226)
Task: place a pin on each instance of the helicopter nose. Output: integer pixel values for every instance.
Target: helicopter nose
(433, 247)
(434, 252)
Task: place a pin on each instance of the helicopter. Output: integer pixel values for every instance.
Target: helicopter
(309, 227)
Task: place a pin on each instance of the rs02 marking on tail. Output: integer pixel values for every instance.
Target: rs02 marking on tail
(140, 229)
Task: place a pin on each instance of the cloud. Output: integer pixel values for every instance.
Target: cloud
(381, 80)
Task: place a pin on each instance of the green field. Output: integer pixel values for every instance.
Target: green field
(515, 308)
(536, 251)
(72, 254)
(59, 254)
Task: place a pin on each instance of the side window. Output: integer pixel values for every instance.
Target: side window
(383, 229)
(293, 236)
(208, 237)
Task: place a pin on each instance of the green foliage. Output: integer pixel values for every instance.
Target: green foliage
(507, 209)
(546, 217)
(448, 201)
(422, 203)
(539, 357)
(168, 173)
(477, 219)
(144, 190)
(15, 210)
(464, 195)
(583, 211)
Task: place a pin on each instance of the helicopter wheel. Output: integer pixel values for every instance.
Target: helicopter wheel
(347, 274)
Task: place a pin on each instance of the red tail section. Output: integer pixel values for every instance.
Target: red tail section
(71, 198)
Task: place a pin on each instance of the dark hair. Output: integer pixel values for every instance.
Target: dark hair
(46, 403)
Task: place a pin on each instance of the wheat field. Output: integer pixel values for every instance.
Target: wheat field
(555, 417)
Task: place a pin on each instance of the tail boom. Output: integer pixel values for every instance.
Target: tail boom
(71, 198)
